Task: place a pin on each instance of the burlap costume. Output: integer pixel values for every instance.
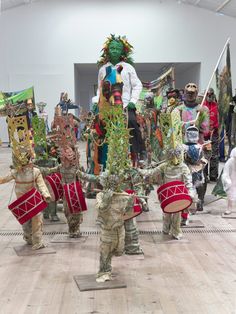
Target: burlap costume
(111, 208)
(25, 179)
(68, 174)
(164, 173)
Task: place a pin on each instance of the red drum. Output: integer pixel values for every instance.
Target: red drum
(137, 208)
(54, 181)
(74, 197)
(173, 197)
(27, 206)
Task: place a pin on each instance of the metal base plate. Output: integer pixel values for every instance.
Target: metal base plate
(194, 224)
(26, 250)
(88, 283)
(64, 238)
(230, 216)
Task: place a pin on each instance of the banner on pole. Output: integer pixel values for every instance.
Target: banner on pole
(159, 87)
(222, 84)
(15, 101)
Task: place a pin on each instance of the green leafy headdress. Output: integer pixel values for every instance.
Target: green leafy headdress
(127, 51)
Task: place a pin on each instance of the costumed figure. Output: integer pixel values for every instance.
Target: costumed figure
(213, 135)
(96, 150)
(172, 170)
(26, 177)
(173, 100)
(43, 157)
(108, 98)
(194, 157)
(150, 129)
(229, 181)
(189, 112)
(116, 52)
(63, 127)
(66, 103)
(43, 114)
(30, 113)
(111, 202)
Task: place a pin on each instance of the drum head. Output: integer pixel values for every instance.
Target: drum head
(177, 205)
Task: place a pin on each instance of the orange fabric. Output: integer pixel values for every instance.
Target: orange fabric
(159, 137)
(95, 159)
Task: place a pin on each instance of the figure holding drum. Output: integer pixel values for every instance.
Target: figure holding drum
(29, 204)
(177, 191)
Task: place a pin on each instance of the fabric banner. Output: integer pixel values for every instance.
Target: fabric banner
(15, 100)
(222, 84)
(159, 88)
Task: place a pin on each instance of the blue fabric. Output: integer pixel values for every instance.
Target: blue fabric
(193, 153)
(222, 145)
(110, 75)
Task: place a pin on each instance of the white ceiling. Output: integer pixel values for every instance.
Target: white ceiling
(9, 4)
(226, 7)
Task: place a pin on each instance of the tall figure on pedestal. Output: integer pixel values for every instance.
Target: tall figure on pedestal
(116, 52)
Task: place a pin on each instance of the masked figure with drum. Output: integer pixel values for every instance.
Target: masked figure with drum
(176, 191)
(28, 183)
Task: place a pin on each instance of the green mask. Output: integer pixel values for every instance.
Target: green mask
(115, 51)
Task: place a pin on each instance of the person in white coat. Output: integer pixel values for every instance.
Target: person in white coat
(229, 180)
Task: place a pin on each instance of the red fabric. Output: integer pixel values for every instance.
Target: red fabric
(98, 130)
(74, 197)
(173, 193)
(213, 114)
(27, 206)
(55, 182)
(137, 208)
(184, 215)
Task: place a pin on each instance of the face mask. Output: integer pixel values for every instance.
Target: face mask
(115, 51)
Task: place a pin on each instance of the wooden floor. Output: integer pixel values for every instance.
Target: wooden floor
(196, 275)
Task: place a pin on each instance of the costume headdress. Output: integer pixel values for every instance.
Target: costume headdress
(127, 51)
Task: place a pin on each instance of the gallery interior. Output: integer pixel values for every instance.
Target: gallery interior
(117, 156)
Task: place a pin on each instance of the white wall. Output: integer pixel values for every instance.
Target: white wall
(40, 42)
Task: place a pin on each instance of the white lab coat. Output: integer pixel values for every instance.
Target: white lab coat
(132, 85)
(229, 176)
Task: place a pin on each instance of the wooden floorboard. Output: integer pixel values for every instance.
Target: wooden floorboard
(196, 276)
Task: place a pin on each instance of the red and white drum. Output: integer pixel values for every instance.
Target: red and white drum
(137, 208)
(54, 181)
(74, 197)
(173, 197)
(27, 206)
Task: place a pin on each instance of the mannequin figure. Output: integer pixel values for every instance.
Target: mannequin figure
(173, 169)
(229, 180)
(116, 53)
(26, 177)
